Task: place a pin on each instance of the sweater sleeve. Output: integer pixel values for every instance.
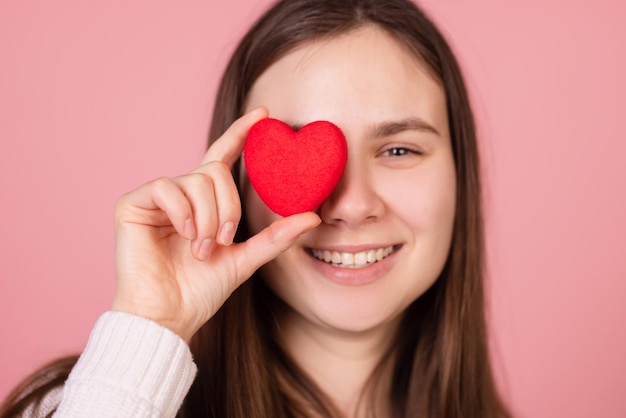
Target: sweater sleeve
(131, 367)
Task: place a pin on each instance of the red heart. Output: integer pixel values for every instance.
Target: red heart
(294, 172)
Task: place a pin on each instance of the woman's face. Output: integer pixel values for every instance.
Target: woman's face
(387, 227)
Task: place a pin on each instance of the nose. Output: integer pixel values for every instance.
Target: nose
(355, 200)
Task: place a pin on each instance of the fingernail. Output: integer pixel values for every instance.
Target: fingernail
(227, 233)
(189, 229)
(205, 248)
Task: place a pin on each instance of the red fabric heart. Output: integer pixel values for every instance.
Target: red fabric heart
(294, 172)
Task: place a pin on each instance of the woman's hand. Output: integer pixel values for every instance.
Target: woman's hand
(175, 260)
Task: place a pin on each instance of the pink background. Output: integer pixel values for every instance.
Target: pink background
(99, 97)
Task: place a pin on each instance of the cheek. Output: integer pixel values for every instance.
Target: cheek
(424, 199)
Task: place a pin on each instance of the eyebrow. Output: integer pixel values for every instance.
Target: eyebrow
(389, 128)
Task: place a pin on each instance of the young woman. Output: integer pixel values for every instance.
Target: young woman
(372, 305)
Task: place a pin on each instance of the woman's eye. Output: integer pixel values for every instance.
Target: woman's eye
(400, 152)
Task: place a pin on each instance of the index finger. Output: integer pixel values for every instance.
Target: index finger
(229, 146)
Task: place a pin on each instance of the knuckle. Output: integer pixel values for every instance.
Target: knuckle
(197, 180)
(220, 168)
(207, 167)
(275, 235)
(162, 183)
(122, 209)
(120, 204)
(119, 208)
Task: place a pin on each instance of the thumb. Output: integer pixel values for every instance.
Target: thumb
(229, 146)
(273, 240)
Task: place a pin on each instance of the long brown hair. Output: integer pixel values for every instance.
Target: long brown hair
(440, 362)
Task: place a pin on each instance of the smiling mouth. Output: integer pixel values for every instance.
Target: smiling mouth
(352, 260)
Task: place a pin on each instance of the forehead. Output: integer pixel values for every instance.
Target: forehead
(366, 70)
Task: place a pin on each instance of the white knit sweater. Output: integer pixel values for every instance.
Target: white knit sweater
(131, 367)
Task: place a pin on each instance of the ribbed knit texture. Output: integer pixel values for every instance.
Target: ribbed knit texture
(131, 367)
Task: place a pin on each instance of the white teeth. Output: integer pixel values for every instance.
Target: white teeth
(352, 260)
(360, 258)
(380, 253)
